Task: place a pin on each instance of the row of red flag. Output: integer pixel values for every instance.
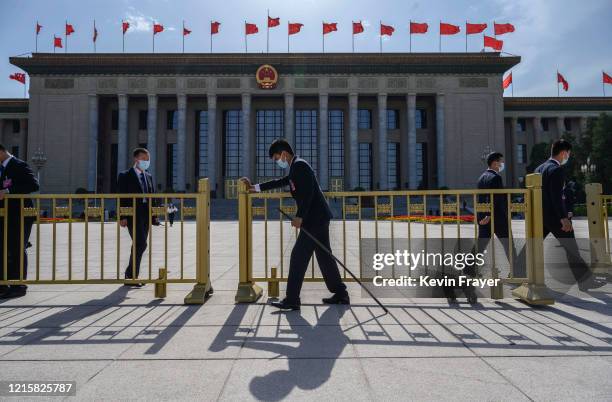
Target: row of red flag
(606, 79)
(327, 27)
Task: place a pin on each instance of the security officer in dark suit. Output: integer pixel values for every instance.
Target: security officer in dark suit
(313, 214)
(134, 181)
(16, 177)
(555, 214)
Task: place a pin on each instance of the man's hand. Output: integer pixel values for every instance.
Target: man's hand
(246, 181)
(2, 192)
(296, 222)
(566, 225)
(123, 223)
(485, 220)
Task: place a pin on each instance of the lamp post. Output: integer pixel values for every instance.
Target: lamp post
(588, 169)
(39, 159)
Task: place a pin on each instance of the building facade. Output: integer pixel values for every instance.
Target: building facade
(371, 121)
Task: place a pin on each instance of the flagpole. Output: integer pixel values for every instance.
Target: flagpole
(66, 37)
(323, 36)
(95, 37)
(603, 84)
(466, 35)
(557, 82)
(211, 35)
(246, 45)
(288, 23)
(36, 41)
(268, 33)
(153, 36)
(122, 37)
(353, 36)
(380, 29)
(183, 33)
(25, 80)
(53, 43)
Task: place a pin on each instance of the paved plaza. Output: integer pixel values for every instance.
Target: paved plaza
(123, 344)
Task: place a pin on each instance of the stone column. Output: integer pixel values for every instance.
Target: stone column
(412, 142)
(323, 142)
(212, 142)
(383, 178)
(538, 133)
(247, 149)
(92, 162)
(560, 127)
(353, 141)
(1, 131)
(122, 134)
(289, 119)
(181, 142)
(514, 150)
(152, 132)
(23, 139)
(583, 126)
(440, 138)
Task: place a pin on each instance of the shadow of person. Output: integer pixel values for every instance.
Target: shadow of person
(310, 363)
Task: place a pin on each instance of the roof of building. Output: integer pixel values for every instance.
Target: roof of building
(14, 105)
(590, 103)
(247, 63)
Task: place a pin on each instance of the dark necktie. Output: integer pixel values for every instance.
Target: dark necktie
(145, 187)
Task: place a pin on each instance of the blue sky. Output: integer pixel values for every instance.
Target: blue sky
(573, 36)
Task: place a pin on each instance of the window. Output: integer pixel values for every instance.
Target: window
(365, 165)
(306, 136)
(521, 124)
(269, 126)
(336, 143)
(171, 176)
(392, 119)
(233, 143)
(421, 118)
(393, 168)
(544, 123)
(421, 162)
(568, 124)
(15, 126)
(142, 119)
(171, 120)
(115, 120)
(364, 118)
(202, 138)
(521, 153)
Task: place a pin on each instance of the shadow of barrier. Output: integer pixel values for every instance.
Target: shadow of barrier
(263, 234)
(87, 238)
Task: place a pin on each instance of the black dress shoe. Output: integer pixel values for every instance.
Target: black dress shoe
(285, 305)
(591, 283)
(338, 299)
(134, 285)
(14, 292)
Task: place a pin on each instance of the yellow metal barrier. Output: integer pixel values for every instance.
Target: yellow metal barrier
(68, 228)
(599, 230)
(353, 225)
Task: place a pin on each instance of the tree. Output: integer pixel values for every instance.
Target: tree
(600, 133)
(539, 153)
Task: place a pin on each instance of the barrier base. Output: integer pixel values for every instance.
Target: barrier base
(199, 294)
(248, 292)
(533, 294)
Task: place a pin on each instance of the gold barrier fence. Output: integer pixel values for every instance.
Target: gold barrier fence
(264, 235)
(598, 205)
(73, 234)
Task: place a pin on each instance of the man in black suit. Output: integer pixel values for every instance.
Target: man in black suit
(16, 177)
(555, 214)
(314, 214)
(134, 181)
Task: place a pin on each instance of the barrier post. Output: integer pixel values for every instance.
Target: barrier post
(600, 259)
(202, 289)
(160, 287)
(248, 291)
(273, 285)
(534, 291)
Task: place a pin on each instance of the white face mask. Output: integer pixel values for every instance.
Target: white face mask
(281, 163)
(143, 165)
(502, 166)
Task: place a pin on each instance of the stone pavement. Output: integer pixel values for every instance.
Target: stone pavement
(120, 344)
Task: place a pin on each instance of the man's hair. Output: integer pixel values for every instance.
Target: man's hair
(494, 157)
(559, 146)
(138, 151)
(279, 145)
(2, 148)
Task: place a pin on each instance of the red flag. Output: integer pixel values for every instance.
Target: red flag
(57, 42)
(472, 29)
(295, 27)
(449, 29)
(38, 28)
(250, 29)
(357, 28)
(214, 27)
(386, 30)
(273, 22)
(125, 25)
(418, 27)
(95, 35)
(186, 31)
(561, 79)
(21, 77)
(157, 28)
(501, 29)
(329, 27)
(507, 81)
(69, 29)
(493, 43)
(607, 79)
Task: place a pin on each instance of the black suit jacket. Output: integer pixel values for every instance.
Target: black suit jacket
(553, 182)
(128, 182)
(312, 206)
(490, 179)
(19, 179)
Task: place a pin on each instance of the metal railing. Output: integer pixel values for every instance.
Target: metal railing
(378, 214)
(598, 205)
(69, 230)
